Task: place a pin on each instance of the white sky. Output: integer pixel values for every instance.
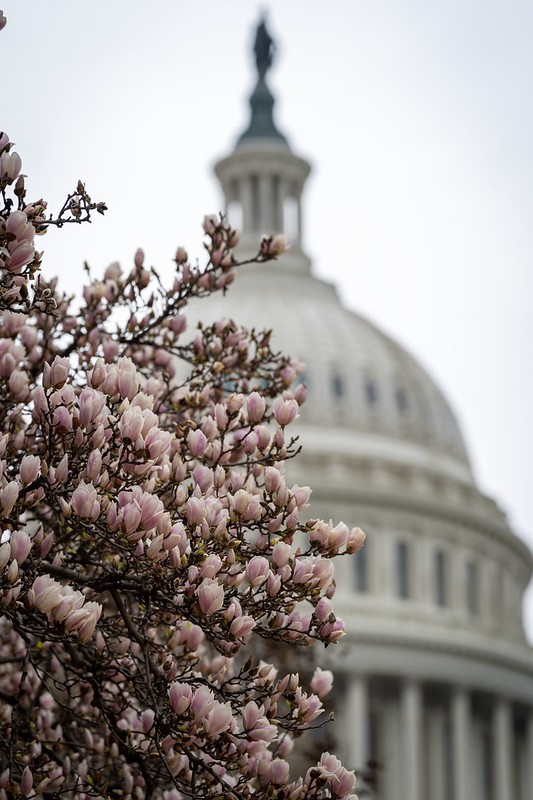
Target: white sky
(418, 119)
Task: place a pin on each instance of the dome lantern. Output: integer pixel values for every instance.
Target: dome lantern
(262, 180)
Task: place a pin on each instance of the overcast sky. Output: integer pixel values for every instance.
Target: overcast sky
(418, 120)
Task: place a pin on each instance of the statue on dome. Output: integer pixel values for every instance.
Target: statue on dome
(263, 49)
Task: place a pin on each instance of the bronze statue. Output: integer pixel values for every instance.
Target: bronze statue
(263, 49)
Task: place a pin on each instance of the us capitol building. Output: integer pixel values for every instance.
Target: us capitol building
(436, 682)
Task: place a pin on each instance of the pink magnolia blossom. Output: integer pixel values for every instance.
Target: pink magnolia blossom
(281, 554)
(150, 535)
(285, 410)
(57, 373)
(195, 510)
(210, 596)
(241, 627)
(218, 719)
(256, 405)
(84, 501)
(322, 681)
(30, 469)
(20, 544)
(5, 554)
(257, 571)
(273, 479)
(277, 772)
(127, 378)
(323, 608)
(340, 780)
(356, 540)
(196, 442)
(8, 497)
(274, 246)
(202, 702)
(46, 593)
(180, 695)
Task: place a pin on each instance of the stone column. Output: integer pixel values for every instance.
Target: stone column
(266, 205)
(502, 738)
(245, 193)
(460, 714)
(413, 758)
(528, 795)
(355, 713)
(278, 205)
(300, 216)
(437, 778)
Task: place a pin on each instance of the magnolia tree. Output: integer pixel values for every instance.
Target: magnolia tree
(148, 534)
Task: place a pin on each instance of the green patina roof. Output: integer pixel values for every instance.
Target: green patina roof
(262, 123)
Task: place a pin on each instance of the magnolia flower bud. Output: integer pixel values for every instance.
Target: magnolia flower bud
(139, 258)
(278, 245)
(209, 224)
(10, 164)
(5, 554)
(13, 572)
(26, 783)
(181, 256)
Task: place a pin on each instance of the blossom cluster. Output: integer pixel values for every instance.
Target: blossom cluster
(150, 536)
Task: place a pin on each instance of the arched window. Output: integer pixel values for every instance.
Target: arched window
(337, 386)
(403, 571)
(439, 578)
(371, 393)
(360, 560)
(472, 591)
(401, 400)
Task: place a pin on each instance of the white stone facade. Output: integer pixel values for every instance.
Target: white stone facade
(435, 683)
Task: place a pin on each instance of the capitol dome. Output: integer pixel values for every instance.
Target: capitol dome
(358, 378)
(435, 683)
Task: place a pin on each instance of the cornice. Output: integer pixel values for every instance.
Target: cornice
(517, 658)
